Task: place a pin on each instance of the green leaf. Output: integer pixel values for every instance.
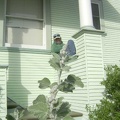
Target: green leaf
(57, 105)
(70, 79)
(9, 117)
(64, 109)
(66, 87)
(40, 98)
(40, 110)
(56, 56)
(71, 58)
(55, 61)
(66, 68)
(53, 84)
(22, 113)
(44, 83)
(79, 83)
(68, 118)
(77, 80)
(58, 118)
(59, 102)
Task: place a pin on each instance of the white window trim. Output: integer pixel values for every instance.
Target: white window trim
(99, 2)
(25, 46)
(44, 46)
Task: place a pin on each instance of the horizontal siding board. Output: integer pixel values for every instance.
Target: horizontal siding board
(62, 22)
(94, 67)
(25, 69)
(111, 42)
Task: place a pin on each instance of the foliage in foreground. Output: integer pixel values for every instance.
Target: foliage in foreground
(109, 107)
(53, 107)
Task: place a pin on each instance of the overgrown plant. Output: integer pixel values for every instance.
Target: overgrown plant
(53, 107)
(109, 107)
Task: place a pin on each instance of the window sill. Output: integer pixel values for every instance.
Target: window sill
(25, 50)
(25, 46)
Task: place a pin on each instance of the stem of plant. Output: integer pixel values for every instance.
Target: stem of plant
(54, 92)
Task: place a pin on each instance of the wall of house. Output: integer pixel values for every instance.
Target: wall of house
(91, 57)
(64, 17)
(25, 68)
(111, 42)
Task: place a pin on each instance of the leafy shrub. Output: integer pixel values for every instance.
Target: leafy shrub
(109, 107)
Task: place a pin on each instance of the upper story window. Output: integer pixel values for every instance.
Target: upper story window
(26, 23)
(97, 14)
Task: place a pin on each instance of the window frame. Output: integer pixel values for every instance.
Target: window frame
(46, 28)
(101, 16)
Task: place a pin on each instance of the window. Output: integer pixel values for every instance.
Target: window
(26, 23)
(97, 14)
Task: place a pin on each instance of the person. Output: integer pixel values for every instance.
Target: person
(58, 45)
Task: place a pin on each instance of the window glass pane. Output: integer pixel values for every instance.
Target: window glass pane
(25, 8)
(13, 22)
(96, 17)
(96, 22)
(24, 36)
(95, 9)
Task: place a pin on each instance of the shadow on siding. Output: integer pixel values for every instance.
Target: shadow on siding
(15, 88)
(110, 12)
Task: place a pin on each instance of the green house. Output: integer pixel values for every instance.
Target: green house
(26, 30)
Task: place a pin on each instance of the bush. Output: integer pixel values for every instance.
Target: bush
(109, 107)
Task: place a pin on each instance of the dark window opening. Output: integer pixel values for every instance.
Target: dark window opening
(96, 16)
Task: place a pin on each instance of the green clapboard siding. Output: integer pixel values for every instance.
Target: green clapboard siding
(3, 93)
(95, 68)
(111, 41)
(65, 18)
(89, 67)
(24, 71)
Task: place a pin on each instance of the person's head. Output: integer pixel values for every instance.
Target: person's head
(57, 38)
